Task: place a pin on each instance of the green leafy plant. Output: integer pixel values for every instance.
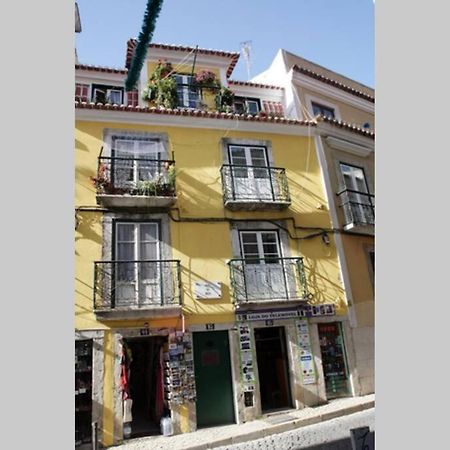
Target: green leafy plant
(224, 99)
(147, 187)
(162, 88)
(171, 176)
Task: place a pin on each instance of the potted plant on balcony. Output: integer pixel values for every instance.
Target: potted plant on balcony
(162, 88)
(101, 182)
(224, 100)
(205, 79)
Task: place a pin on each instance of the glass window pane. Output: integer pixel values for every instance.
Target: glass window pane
(249, 237)
(252, 107)
(250, 248)
(124, 146)
(270, 248)
(125, 232)
(148, 232)
(269, 237)
(149, 251)
(147, 149)
(237, 152)
(125, 252)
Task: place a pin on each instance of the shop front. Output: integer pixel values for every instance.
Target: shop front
(285, 359)
(154, 379)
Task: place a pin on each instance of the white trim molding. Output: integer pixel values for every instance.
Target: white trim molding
(333, 92)
(349, 147)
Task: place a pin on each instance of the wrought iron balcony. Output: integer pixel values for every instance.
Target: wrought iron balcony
(135, 182)
(137, 288)
(358, 208)
(268, 280)
(254, 187)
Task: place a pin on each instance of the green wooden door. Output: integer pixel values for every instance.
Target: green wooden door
(213, 379)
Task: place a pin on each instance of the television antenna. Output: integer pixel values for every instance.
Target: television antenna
(246, 47)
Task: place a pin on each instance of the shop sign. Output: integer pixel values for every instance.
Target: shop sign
(302, 311)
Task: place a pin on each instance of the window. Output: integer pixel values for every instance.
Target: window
(250, 173)
(244, 105)
(358, 202)
(263, 273)
(322, 110)
(107, 94)
(260, 247)
(137, 248)
(135, 159)
(188, 94)
(114, 96)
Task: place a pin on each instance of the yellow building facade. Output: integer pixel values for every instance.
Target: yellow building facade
(205, 253)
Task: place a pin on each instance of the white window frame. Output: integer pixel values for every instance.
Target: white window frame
(246, 102)
(184, 102)
(135, 141)
(137, 253)
(110, 91)
(136, 237)
(247, 152)
(359, 197)
(258, 234)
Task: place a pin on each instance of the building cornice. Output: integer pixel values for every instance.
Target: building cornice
(349, 147)
(190, 119)
(332, 92)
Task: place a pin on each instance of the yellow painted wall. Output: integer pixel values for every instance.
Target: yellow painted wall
(204, 248)
(355, 248)
(186, 69)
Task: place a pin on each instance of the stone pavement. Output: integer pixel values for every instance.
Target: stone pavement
(333, 434)
(270, 424)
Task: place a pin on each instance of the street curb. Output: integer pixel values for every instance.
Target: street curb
(283, 427)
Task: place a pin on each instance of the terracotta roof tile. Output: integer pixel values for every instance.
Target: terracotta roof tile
(100, 68)
(249, 83)
(131, 45)
(193, 113)
(348, 126)
(219, 115)
(334, 83)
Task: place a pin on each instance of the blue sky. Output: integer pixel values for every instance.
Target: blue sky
(338, 34)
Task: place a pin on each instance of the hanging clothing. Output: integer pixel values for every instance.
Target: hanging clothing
(125, 371)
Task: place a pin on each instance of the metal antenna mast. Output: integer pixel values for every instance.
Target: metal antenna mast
(246, 47)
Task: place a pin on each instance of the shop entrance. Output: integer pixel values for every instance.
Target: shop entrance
(213, 379)
(145, 381)
(333, 359)
(273, 371)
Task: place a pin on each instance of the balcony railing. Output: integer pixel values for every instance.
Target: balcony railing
(141, 178)
(358, 207)
(134, 285)
(254, 187)
(268, 279)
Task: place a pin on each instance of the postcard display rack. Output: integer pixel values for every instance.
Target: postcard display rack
(83, 391)
(247, 363)
(306, 357)
(179, 379)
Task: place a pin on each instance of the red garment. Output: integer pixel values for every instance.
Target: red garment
(124, 376)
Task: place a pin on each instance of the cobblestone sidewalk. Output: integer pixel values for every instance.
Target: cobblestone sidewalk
(228, 435)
